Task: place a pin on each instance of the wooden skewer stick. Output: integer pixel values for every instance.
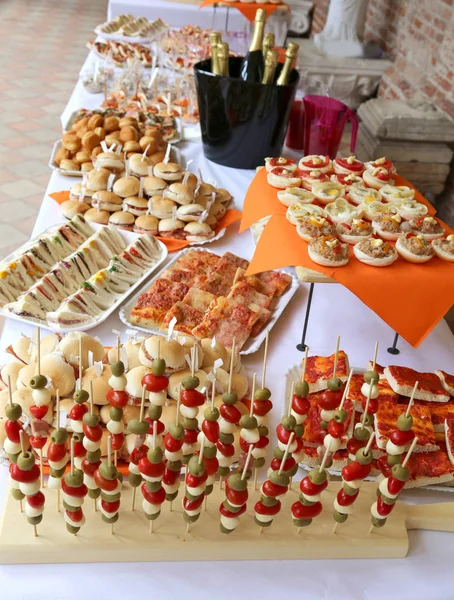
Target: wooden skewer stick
(265, 356)
(336, 356)
(41, 465)
(286, 453)
(412, 397)
(246, 464)
(80, 361)
(410, 450)
(369, 442)
(38, 349)
(254, 383)
(118, 348)
(159, 349)
(10, 391)
(72, 456)
(202, 446)
(177, 415)
(231, 366)
(109, 463)
(366, 409)
(374, 362)
(325, 458)
(213, 392)
(292, 391)
(192, 361)
(142, 404)
(151, 526)
(91, 396)
(133, 501)
(187, 528)
(346, 388)
(155, 434)
(22, 449)
(57, 408)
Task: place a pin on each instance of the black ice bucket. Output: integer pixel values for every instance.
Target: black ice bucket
(242, 123)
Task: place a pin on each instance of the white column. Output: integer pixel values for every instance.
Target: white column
(339, 36)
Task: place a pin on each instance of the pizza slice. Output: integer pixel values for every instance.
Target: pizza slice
(190, 278)
(439, 412)
(312, 459)
(187, 317)
(354, 391)
(449, 435)
(320, 368)
(403, 379)
(217, 285)
(378, 368)
(264, 315)
(199, 299)
(430, 468)
(447, 381)
(276, 281)
(386, 422)
(197, 261)
(228, 265)
(227, 320)
(152, 306)
(254, 282)
(244, 290)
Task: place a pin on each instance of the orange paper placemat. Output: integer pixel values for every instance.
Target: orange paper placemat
(173, 245)
(411, 298)
(248, 10)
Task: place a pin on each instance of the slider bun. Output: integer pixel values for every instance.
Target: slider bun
(198, 232)
(171, 351)
(132, 353)
(157, 157)
(107, 200)
(126, 186)
(188, 343)
(69, 348)
(100, 384)
(93, 215)
(4, 399)
(168, 171)
(55, 368)
(70, 208)
(90, 140)
(211, 354)
(104, 413)
(442, 253)
(146, 224)
(48, 344)
(111, 124)
(168, 225)
(96, 151)
(83, 122)
(131, 146)
(110, 160)
(95, 121)
(61, 154)
(325, 262)
(21, 349)
(152, 142)
(169, 414)
(83, 156)
(239, 382)
(176, 379)
(409, 256)
(135, 205)
(12, 370)
(189, 212)
(128, 133)
(86, 167)
(373, 262)
(122, 219)
(192, 181)
(100, 132)
(134, 381)
(129, 413)
(153, 185)
(69, 165)
(125, 121)
(386, 235)
(71, 142)
(161, 207)
(206, 189)
(97, 179)
(180, 193)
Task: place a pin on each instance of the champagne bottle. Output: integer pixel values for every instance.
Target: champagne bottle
(215, 39)
(271, 60)
(252, 65)
(269, 41)
(223, 57)
(290, 55)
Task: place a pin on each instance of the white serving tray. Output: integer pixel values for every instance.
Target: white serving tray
(294, 374)
(129, 238)
(251, 345)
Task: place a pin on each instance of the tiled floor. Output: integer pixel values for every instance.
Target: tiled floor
(43, 48)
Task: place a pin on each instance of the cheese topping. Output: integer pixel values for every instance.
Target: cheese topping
(450, 237)
(380, 161)
(315, 173)
(377, 243)
(351, 159)
(332, 243)
(377, 171)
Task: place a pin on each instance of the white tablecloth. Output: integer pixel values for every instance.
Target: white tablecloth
(179, 14)
(425, 574)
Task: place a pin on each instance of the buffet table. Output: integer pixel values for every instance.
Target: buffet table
(335, 311)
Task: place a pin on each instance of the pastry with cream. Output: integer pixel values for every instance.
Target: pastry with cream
(397, 193)
(411, 209)
(373, 209)
(357, 194)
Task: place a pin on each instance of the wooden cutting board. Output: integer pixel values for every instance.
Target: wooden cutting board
(132, 541)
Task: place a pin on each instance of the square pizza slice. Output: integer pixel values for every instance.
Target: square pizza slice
(274, 280)
(227, 320)
(197, 261)
(447, 381)
(429, 469)
(320, 368)
(190, 278)
(449, 436)
(187, 317)
(264, 315)
(243, 289)
(439, 412)
(152, 306)
(199, 299)
(217, 285)
(228, 265)
(254, 282)
(378, 368)
(354, 391)
(386, 422)
(403, 379)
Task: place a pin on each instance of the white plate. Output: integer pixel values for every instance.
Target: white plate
(251, 345)
(129, 238)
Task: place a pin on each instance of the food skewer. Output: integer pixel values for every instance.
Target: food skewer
(195, 484)
(299, 409)
(13, 444)
(236, 493)
(76, 414)
(57, 454)
(152, 468)
(92, 444)
(109, 480)
(191, 400)
(140, 427)
(74, 491)
(208, 438)
(118, 399)
(173, 443)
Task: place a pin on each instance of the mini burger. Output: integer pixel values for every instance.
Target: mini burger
(69, 348)
(97, 179)
(212, 351)
(138, 165)
(170, 350)
(354, 231)
(70, 208)
(104, 200)
(75, 193)
(172, 228)
(190, 212)
(239, 382)
(109, 160)
(146, 224)
(122, 219)
(291, 195)
(134, 384)
(176, 379)
(93, 215)
(153, 186)
(329, 252)
(205, 191)
(191, 180)
(168, 171)
(56, 369)
(217, 210)
(444, 248)
(11, 370)
(414, 248)
(375, 252)
(198, 232)
(135, 205)
(282, 178)
(100, 383)
(223, 196)
(131, 349)
(162, 208)
(127, 186)
(179, 193)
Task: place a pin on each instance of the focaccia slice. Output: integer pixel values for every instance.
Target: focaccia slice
(244, 290)
(197, 261)
(187, 317)
(430, 468)
(228, 265)
(276, 281)
(354, 391)
(190, 278)
(152, 306)
(403, 379)
(320, 368)
(199, 299)
(217, 285)
(447, 381)
(449, 436)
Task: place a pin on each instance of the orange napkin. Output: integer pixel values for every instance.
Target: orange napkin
(248, 10)
(173, 245)
(410, 298)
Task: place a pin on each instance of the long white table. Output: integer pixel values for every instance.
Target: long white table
(335, 311)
